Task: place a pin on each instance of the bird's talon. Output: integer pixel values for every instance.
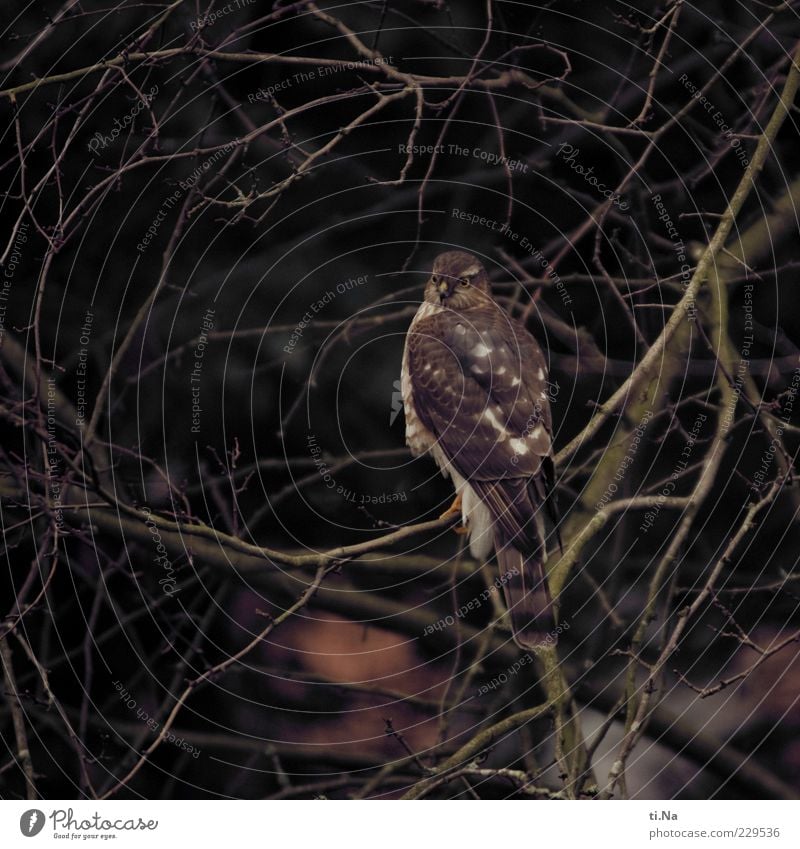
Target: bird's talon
(453, 510)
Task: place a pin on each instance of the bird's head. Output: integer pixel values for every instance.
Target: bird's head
(458, 281)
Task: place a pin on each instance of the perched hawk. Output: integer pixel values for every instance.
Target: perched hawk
(474, 386)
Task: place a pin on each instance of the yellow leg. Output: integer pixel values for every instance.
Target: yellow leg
(454, 509)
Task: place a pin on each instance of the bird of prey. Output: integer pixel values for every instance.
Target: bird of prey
(474, 387)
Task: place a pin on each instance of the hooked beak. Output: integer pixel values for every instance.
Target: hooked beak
(442, 288)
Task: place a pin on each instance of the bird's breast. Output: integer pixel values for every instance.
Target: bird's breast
(418, 438)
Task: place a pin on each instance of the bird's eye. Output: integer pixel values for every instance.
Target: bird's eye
(464, 281)
(435, 279)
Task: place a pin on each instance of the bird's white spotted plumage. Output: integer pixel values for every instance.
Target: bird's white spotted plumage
(481, 411)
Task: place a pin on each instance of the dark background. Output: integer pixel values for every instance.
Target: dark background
(306, 711)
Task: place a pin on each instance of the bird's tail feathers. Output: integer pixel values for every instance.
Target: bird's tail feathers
(527, 598)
